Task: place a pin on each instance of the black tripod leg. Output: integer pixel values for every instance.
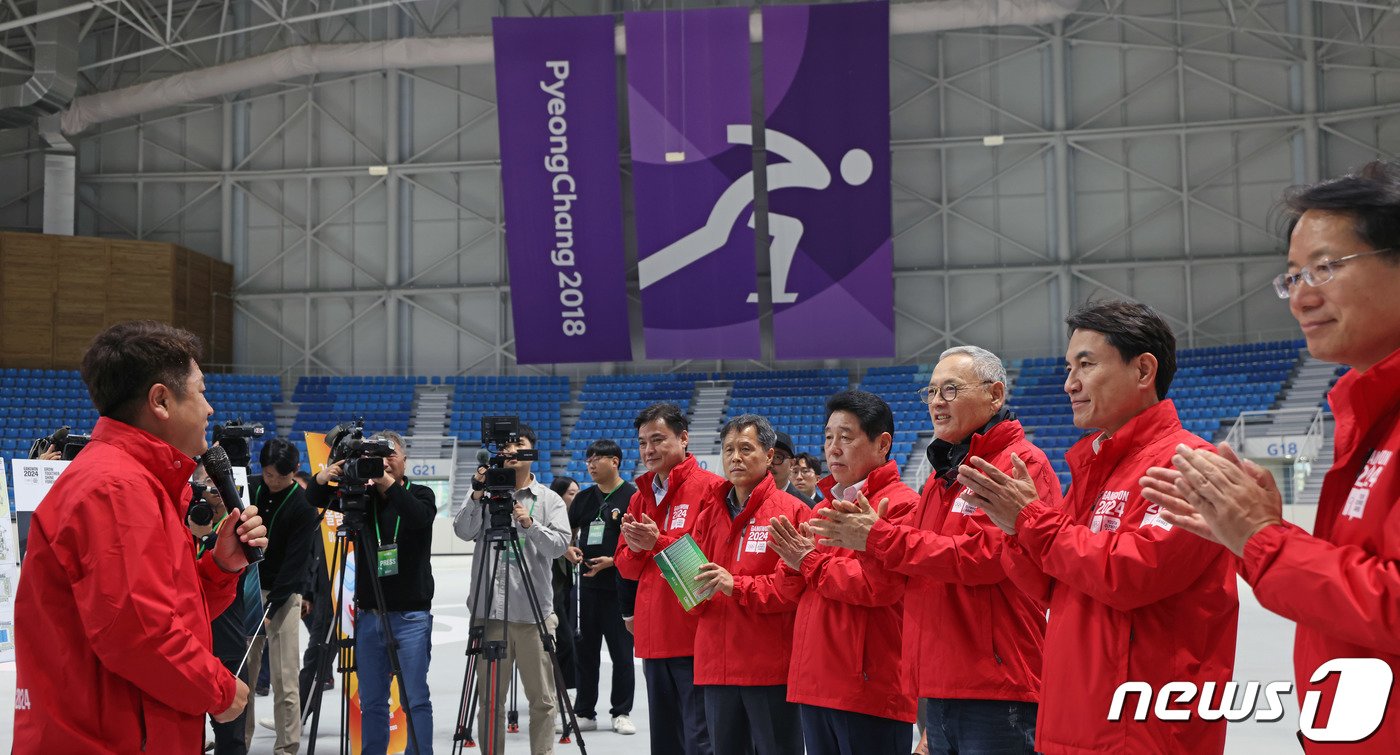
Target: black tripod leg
(329, 649)
(561, 690)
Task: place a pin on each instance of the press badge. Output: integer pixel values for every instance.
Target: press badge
(389, 560)
(595, 534)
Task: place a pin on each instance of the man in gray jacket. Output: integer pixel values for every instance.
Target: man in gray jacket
(542, 528)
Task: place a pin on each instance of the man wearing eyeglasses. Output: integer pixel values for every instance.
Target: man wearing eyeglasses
(784, 469)
(1342, 582)
(972, 638)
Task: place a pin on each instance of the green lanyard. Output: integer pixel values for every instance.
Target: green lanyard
(398, 520)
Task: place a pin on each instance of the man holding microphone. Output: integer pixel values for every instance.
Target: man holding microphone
(113, 641)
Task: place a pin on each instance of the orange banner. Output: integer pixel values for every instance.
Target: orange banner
(318, 454)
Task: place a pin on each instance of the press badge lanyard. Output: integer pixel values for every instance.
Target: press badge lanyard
(281, 505)
(596, 527)
(388, 554)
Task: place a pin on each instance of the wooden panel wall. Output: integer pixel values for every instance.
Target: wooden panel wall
(57, 292)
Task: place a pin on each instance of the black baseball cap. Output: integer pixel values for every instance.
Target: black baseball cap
(784, 442)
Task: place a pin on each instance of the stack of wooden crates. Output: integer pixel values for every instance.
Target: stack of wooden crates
(57, 292)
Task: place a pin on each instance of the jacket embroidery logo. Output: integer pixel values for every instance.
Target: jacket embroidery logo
(1153, 518)
(757, 541)
(961, 506)
(678, 514)
(1108, 513)
(1356, 501)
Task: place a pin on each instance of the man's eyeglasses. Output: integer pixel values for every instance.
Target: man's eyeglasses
(949, 392)
(1315, 274)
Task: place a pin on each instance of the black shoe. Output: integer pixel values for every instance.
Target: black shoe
(328, 684)
(262, 691)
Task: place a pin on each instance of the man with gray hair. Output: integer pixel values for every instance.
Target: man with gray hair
(972, 639)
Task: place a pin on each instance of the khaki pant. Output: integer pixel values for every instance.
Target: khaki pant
(250, 678)
(283, 642)
(523, 649)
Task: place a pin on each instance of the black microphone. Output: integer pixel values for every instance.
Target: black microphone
(483, 459)
(216, 463)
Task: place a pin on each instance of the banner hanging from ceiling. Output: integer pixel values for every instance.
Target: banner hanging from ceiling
(690, 118)
(827, 134)
(556, 95)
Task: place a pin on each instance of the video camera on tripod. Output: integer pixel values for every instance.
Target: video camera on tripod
(497, 433)
(363, 462)
(233, 437)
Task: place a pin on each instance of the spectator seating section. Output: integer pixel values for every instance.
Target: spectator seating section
(384, 402)
(899, 387)
(34, 403)
(1212, 384)
(793, 400)
(535, 399)
(611, 402)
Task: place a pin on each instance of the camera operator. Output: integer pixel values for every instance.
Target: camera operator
(541, 521)
(291, 536)
(402, 515)
(233, 629)
(113, 641)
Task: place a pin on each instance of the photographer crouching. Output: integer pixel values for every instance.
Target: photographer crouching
(113, 643)
(541, 521)
(400, 516)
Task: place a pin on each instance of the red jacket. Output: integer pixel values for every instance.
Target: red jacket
(847, 638)
(1342, 583)
(1131, 598)
(969, 632)
(112, 637)
(662, 628)
(745, 639)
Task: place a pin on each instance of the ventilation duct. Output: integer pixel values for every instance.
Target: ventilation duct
(50, 89)
(308, 60)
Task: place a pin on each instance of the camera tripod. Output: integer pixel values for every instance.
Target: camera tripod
(352, 530)
(503, 542)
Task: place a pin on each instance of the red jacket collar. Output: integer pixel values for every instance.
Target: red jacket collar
(1001, 435)
(169, 465)
(1362, 400)
(882, 477)
(1150, 424)
(677, 475)
(765, 489)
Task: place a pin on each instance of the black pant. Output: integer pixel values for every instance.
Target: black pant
(980, 727)
(749, 720)
(228, 738)
(828, 731)
(318, 623)
(675, 708)
(600, 618)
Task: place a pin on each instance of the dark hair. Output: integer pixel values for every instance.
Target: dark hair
(561, 485)
(280, 454)
(666, 411)
(812, 462)
(767, 436)
(870, 410)
(125, 360)
(604, 447)
(528, 433)
(1370, 195)
(1132, 329)
(302, 476)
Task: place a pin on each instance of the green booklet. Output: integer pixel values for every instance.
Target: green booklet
(680, 564)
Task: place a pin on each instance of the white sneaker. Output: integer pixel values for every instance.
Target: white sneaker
(624, 725)
(584, 724)
(267, 723)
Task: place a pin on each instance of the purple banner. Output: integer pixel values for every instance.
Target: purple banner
(556, 95)
(692, 179)
(826, 84)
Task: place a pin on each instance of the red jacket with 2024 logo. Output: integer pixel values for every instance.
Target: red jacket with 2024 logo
(969, 631)
(1342, 583)
(846, 647)
(745, 639)
(1131, 598)
(662, 628)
